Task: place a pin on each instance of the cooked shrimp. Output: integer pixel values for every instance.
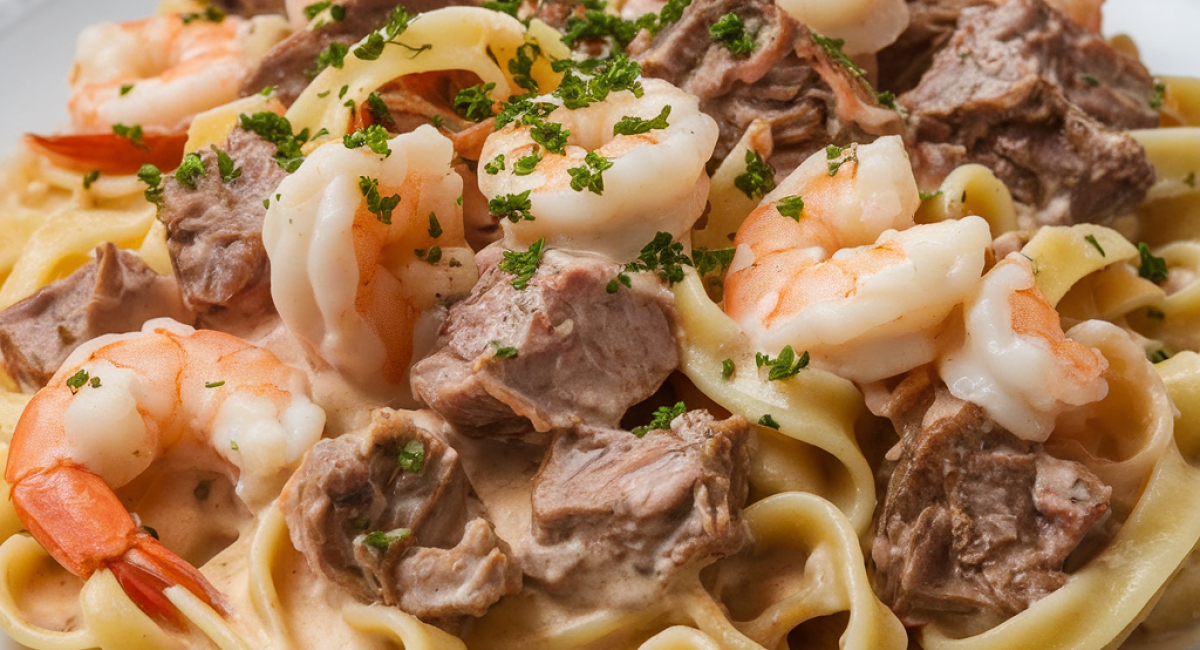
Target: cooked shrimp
(158, 72)
(850, 279)
(120, 402)
(358, 286)
(866, 26)
(1015, 361)
(657, 181)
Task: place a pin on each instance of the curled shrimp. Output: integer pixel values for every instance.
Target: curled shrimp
(120, 402)
(357, 280)
(849, 278)
(656, 182)
(1015, 360)
(159, 72)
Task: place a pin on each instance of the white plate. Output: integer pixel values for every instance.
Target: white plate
(37, 42)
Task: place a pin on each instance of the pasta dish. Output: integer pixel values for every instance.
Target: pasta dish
(567, 324)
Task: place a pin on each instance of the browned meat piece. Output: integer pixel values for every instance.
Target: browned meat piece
(976, 523)
(809, 99)
(930, 25)
(114, 293)
(286, 66)
(251, 7)
(1023, 90)
(582, 354)
(214, 232)
(617, 518)
(388, 513)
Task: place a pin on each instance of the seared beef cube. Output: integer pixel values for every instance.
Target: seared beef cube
(388, 513)
(976, 523)
(930, 25)
(617, 518)
(1039, 100)
(810, 100)
(114, 293)
(214, 231)
(561, 352)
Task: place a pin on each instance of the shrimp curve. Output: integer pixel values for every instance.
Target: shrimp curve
(656, 183)
(850, 278)
(1015, 360)
(120, 402)
(360, 287)
(159, 72)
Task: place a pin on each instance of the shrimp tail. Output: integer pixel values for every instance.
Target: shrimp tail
(97, 532)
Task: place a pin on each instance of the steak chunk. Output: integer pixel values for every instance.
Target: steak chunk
(976, 523)
(388, 513)
(562, 352)
(1041, 101)
(114, 293)
(617, 518)
(931, 23)
(214, 232)
(809, 99)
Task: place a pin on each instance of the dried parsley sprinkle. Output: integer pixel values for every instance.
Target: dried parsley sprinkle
(397, 23)
(77, 380)
(1091, 239)
(1090, 79)
(837, 157)
(521, 67)
(380, 206)
(759, 177)
(190, 171)
(1151, 267)
(373, 137)
(379, 111)
(663, 417)
(333, 56)
(731, 32)
(496, 166)
(125, 89)
(435, 228)
(433, 255)
(90, 178)
(474, 103)
(925, 196)
(214, 384)
(412, 457)
(225, 166)
(727, 368)
(1159, 97)
(588, 176)
(790, 206)
(833, 47)
(504, 352)
(523, 264)
(277, 130)
(767, 421)
(630, 125)
(152, 177)
(383, 540)
(210, 14)
(783, 367)
(527, 164)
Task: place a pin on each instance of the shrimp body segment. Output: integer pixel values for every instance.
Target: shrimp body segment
(145, 394)
(657, 181)
(852, 280)
(1015, 360)
(158, 72)
(357, 291)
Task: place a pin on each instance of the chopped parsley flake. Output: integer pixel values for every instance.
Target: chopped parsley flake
(614, 285)
(731, 32)
(214, 384)
(521, 67)
(474, 103)
(233, 445)
(604, 76)
(630, 125)
(1151, 267)
(550, 135)
(267, 91)
(210, 14)
(383, 540)
(707, 261)
(225, 166)
(504, 352)
(527, 164)
(153, 178)
(496, 166)
(1160, 95)
(664, 257)
(435, 228)
(887, 99)
(727, 369)
(190, 170)
(333, 56)
(132, 133)
(768, 421)
(380, 206)
(433, 255)
(412, 457)
(374, 137)
(925, 196)
(125, 88)
(90, 178)
(1158, 356)
(81, 379)
(759, 177)
(596, 24)
(379, 111)
(277, 130)
(509, 7)
(663, 417)
(1090, 79)
(838, 156)
(397, 23)
(588, 176)
(790, 206)
(514, 207)
(833, 48)
(1156, 314)
(1091, 239)
(523, 264)
(785, 366)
